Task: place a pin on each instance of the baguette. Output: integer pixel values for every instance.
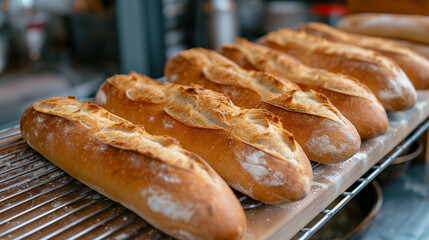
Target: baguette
(169, 187)
(415, 66)
(247, 147)
(420, 48)
(325, 135)
(383, 76)
(353, 99)
(407, 27)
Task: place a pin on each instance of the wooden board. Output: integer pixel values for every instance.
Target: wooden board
(329, 181)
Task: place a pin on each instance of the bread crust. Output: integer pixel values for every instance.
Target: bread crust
(247, 147)
(415, 66)
(407, 27)
(383, 76)
(169, 187)
(419, 48)
(352, 98)
(325, 135)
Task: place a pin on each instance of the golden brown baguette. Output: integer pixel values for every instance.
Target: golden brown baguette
(169, 187)
(324, 134)
(354, 100)
(247, 147)
(415, 66)
(383, 76)
(401, 26)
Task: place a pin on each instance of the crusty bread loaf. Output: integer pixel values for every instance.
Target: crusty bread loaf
(169, 187)
(383, 76)
(354, 100)
(247, 147)
(415, 66)
(401, 26)
(320, 129)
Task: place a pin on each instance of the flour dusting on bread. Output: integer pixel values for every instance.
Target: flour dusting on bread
(162, 202)
(120, 133)
(269, 158)
(202, 108)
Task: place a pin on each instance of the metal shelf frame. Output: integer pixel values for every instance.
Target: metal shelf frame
(362, 182)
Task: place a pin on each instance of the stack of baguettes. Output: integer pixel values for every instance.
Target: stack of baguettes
(249, 116)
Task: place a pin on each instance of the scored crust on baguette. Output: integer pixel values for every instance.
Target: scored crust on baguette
(320, 129)
(248, 147)
(415, 66)
(354, 100)
(383, 76)
(171, 188)
(257, 57)
(275, 91)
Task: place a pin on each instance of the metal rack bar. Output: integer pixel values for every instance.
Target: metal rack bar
(40, 204)
(34, 186)
(76, 222)
(29, 179)
(157, 237)
(12, 142)
(37, 195)
(46, 213)
(85, 231)
(377, 169)
(13, 153)
(9, 135)
(62, 217)
(26, 172)
(16, 127)
(137, 232)
(111, 231)
(20, 166)
(18, 159)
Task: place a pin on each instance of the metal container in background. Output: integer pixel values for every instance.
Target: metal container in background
(178, 24)
(399, 166)
(284, 14)
(328, 13)
(353, 220)
(251, 15)
(221, 21)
